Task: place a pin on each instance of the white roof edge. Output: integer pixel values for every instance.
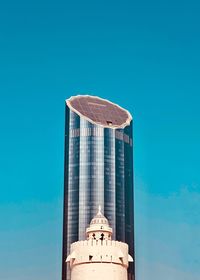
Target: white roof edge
(130, 259)
(68, 258)
(128, 121)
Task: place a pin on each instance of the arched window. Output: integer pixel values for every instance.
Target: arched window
(102, 237)
(90, 257)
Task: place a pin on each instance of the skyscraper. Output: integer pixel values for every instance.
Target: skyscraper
(98, 170)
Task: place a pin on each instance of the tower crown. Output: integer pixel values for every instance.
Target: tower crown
(99, 228)
(99, 111)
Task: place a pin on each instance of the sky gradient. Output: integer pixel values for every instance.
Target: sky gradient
(143, 55)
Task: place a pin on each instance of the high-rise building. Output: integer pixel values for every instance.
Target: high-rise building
(98, 171)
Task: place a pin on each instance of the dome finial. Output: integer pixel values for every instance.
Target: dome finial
(99, 212)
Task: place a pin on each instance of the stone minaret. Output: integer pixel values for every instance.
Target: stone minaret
(99, 257)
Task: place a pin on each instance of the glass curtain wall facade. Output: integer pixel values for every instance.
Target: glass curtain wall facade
(98, 171)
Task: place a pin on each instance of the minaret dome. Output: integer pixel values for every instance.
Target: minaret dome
(99, 228)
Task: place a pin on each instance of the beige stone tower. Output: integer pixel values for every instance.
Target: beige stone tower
(99, 257)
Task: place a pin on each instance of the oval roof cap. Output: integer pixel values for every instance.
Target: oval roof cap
(99, 111)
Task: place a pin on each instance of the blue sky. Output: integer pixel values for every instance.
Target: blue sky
(143, 55)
